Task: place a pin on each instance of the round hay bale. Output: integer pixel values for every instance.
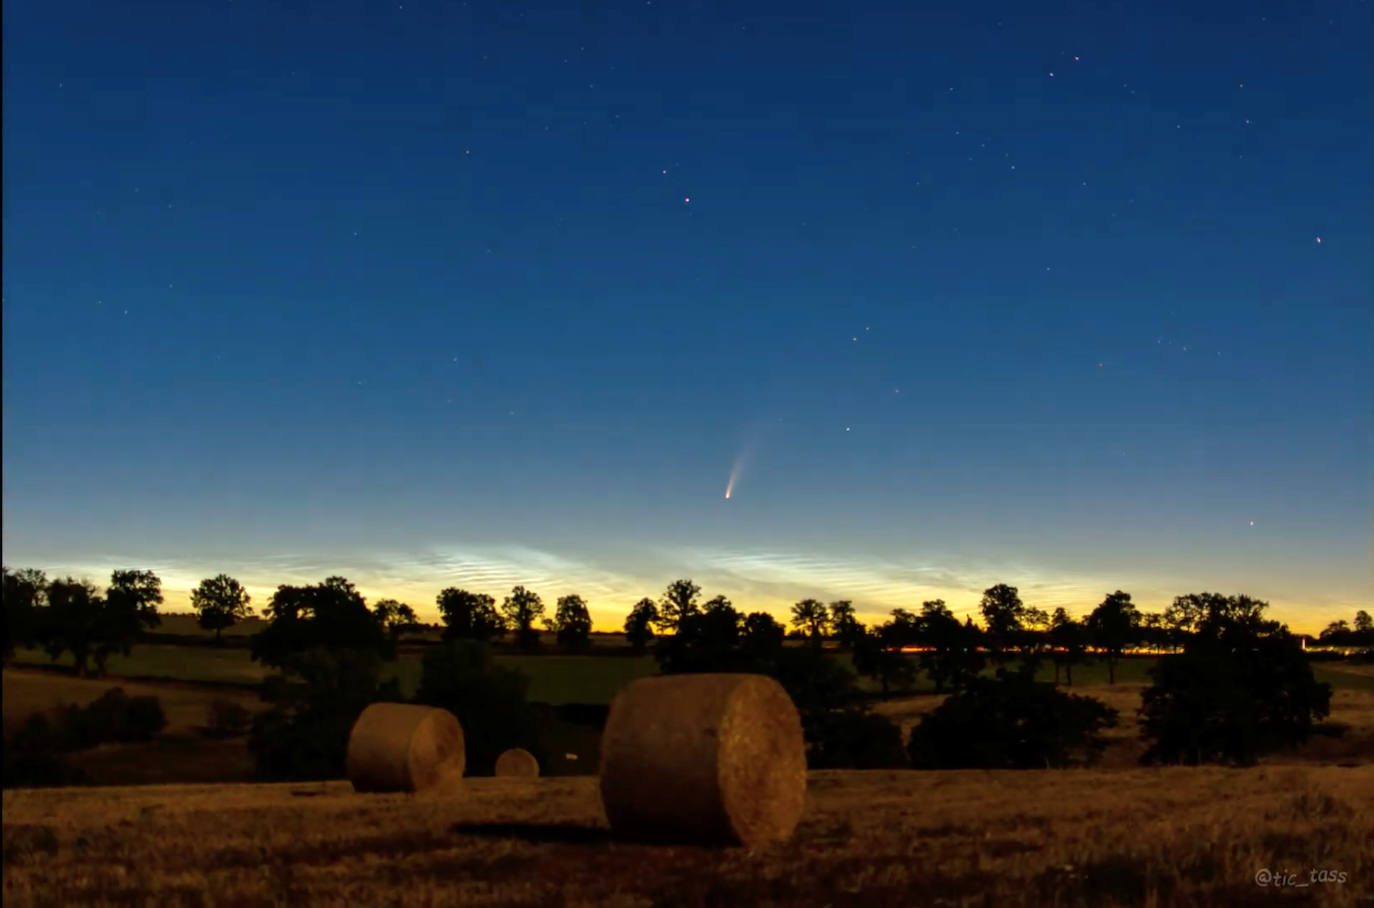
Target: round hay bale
(402, 747)
(710, 758)
(517, 763)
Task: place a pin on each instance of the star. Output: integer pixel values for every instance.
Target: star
(1319, 241)
(687, 200)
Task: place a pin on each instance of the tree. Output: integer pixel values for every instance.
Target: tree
(25, 595)
(469, 616)
(393, 616)
(847, 627)
(1336, 633)
(878, 655)
(952, 659)
(1002, 615)
(488, 699)
(705, 641)
(572, 623)
(812, 617)
(521, 608)
(304, 734)
(639, 624)
(219, 602)
(1363, 623)
(71, 622)
(1231, 697)
(1011, 722)
(131, 602)
(1070, 639)
(1112, 627)
(761, 638)
(330, 616)
(678, 602)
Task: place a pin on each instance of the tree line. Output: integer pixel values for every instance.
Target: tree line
(1239, 686)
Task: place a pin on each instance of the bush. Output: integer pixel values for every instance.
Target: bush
(1231, 700)
(114, 716)
(33, 757)
(226, 719)
(1011, 722)
(853, 739)
(304, 736)
(488, 699)
(143, 719)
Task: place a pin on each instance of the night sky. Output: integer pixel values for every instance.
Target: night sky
(1073, 298)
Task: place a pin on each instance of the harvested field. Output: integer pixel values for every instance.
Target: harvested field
(1176, 836)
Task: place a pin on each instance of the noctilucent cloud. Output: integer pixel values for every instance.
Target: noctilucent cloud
(834, 300)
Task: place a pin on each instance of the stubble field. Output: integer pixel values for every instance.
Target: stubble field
(1178, 836)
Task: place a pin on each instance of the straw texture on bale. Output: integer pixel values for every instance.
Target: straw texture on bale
(709, 758)
(402, 747)
(517, 763)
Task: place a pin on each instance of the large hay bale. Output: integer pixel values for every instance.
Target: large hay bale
(402, 747)
(517, 763)
(711, 758)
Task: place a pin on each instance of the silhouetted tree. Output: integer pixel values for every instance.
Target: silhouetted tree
(811, 617)
(72, 622)
(953, 658)
(1240, 690)
(639, 624)
(1363, 623)
(1070, 638)
(761, 639)
(1112, 626)
(393, 616)
(1153, 629)
(131, 602)
(1002, 615)
(705, 641)
(219, 603)
(469, 616)
(330, 616)
(1011, 722)
(572, 623)
(878, 655)
(521, 608)
(847, 627)
(304, 734)
(678, 602)
(25, 594)
(489, 700)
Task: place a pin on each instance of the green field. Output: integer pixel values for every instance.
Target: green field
(557, 678)
(554, 678)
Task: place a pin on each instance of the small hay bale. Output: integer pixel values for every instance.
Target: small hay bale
(402, 747)
(517, 763)
(709, 758)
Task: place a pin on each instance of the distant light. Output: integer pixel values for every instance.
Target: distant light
(686, 200)
(1319, 241)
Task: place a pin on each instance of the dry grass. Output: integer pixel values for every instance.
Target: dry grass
(1077, 837)
(28, 692)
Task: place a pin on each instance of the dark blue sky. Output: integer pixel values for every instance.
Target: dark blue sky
(1073, 298)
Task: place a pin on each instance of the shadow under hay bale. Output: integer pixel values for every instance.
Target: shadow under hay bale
(517, 763)
(706, 758)
(401, 747)
(553, 833)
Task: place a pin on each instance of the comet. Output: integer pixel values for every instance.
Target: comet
(735, 472)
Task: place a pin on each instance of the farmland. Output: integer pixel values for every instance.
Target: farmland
(1176, 836)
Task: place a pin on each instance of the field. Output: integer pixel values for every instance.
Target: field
(554, 678)
(1074, 837)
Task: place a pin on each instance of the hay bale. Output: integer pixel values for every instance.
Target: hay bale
(517, 763)
(402, 747)
(710, 758)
